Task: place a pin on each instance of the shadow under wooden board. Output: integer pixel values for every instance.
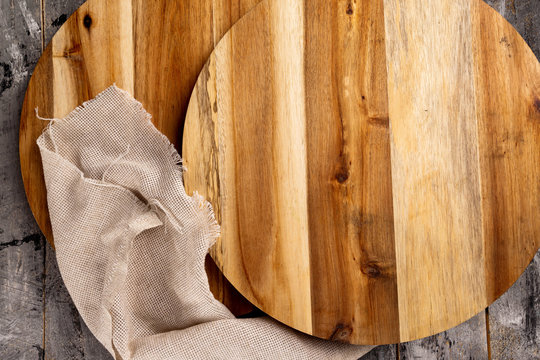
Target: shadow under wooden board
(374, 165)
(153, 49)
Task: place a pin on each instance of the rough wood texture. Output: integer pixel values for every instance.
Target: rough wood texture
(384, 352)
(465, 341)
(21, 298)
(358, 212)
(514, 319)
(21, 247)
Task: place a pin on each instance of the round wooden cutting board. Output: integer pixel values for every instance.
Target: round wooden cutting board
(153, 49)
(375, 166)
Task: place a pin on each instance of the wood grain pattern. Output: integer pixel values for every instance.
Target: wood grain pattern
(368, 143)
(155, 50)
(508, 113)
(257, 273)
(435, 177)
(349, 176)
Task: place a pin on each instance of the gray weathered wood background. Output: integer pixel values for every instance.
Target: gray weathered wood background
(38, 319)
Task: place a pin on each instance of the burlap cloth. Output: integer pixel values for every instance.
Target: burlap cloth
(130, 244)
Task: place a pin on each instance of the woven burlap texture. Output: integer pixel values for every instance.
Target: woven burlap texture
(131, 244)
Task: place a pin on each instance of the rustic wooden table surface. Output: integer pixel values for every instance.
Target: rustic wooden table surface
(38, 319)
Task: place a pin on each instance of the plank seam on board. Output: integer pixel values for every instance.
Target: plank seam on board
(475, 104)
(42, 13)
(479, 168)
(488, 339)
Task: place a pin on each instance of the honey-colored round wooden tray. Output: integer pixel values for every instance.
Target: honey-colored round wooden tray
(375, 166)
(153, 49)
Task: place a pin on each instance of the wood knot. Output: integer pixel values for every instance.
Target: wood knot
(342, 176)
(342, 333)
(350, 10)
(537, 104)
(371, 269)
(87, 21)
(73, 53)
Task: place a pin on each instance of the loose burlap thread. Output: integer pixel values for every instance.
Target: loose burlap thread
(130, 244)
